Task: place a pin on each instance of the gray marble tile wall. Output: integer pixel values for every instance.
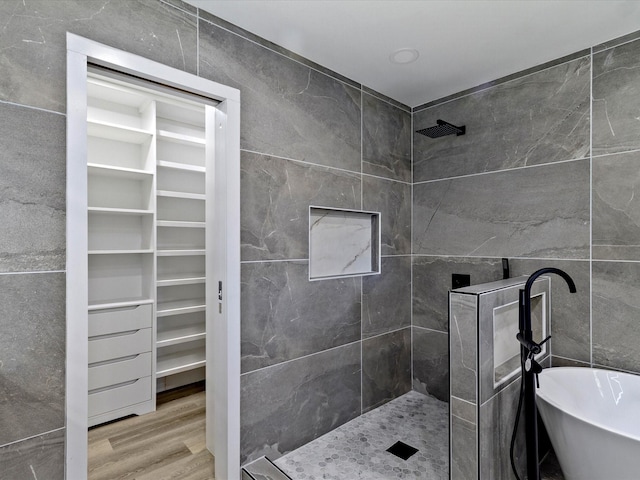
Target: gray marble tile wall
(545, 176)
(308, 136)
(312, 138)
(33, 195)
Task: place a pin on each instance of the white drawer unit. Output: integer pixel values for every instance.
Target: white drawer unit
(113, 320)
(119, 345)
(119, 396)
(122, 370)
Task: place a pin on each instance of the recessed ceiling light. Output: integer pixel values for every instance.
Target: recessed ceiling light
(404, 55)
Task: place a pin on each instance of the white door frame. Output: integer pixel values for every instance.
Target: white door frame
(223, 254)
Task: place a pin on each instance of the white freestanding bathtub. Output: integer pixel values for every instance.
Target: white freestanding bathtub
(593, 420)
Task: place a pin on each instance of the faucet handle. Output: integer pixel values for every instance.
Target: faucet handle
(544, 341)
(530, 364)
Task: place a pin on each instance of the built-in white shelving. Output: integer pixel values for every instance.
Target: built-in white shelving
(181, 200)
(181, 358)
(121, 124)
(146, 205)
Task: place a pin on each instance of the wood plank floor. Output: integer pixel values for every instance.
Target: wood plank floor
(166, 444)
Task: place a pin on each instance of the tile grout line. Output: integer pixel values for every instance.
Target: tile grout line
(328, 167)
(30, 107)
(380, 266)
(502, 170)
(591, 210)
(491, 257)
(198, 41)
(32, 437)
(280, 260)
(37, 272)
(334, 348)
(411, 339)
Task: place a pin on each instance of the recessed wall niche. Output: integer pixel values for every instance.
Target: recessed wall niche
(343, 243)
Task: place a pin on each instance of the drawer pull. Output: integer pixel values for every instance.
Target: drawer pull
(114, 335)
(111, 387)
(114, 360)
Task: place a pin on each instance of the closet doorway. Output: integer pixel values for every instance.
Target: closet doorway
(152, 245)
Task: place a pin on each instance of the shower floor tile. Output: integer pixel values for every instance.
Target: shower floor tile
(357, 449)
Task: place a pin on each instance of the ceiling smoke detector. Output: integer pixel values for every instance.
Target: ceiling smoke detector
(404, 55)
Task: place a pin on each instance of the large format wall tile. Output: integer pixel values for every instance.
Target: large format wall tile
(431, 363)
(616, 99)
(276, 195)
(616, 309)
(32, 354)
(393, 201)
(463, 347)
(386, 298)
(464, 449)
(616, 210)
(386, 368)
(386, 142)
(497, 417)
(288, 109)
(539, 118)
(288, 405)
(32, 189)
(432, 282)
(285, 316)
(39, 457)
(530, 212)
(33, 42)
(570, 312)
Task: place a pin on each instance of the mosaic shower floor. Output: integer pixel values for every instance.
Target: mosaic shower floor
(357, 449)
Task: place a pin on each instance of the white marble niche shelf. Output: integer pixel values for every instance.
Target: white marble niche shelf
(343, 243)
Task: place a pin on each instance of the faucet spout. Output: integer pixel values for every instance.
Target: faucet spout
(542, 271)
(525, 299)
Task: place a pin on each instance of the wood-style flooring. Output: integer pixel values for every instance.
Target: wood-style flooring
(166, 444)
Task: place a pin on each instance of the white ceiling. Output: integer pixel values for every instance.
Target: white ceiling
(462, 43)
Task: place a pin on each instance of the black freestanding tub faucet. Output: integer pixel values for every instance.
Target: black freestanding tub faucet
(530, 368)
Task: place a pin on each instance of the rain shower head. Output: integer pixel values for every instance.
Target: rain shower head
(442, 129)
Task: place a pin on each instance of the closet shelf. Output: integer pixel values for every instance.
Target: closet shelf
(118, 172)
(172, 282)
(119, 252)
(178, 369)
(181, 307)
(180, 224)
(119, 211)
(181, 138)
(118, 303)
(114, 93)
(172, 194)
(181, 253)
(113, 131)
(181, 166)
(178, 339)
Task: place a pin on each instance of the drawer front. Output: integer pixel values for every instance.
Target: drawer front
(121, 371)
(120, 397)
(117, 346)
(105, 322)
